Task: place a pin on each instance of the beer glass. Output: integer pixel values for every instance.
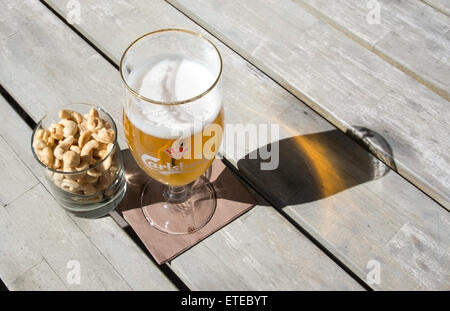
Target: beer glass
(173, 122)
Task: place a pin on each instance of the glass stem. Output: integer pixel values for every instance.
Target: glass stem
(177, 194)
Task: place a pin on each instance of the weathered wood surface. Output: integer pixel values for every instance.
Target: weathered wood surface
(40, 277)
(39, 238)
(342, 80)
(17, 179)
(354, 216)
(440, 5)
(16, 257)
(408, 34)
(46, 65)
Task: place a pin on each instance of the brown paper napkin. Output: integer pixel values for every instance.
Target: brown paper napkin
(233, 199)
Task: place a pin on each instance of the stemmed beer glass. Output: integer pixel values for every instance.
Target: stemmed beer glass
(173, 122)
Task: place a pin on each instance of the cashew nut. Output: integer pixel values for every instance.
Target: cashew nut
(88, 150)
(82, 126)
(58, 177)
(51, 142)
(82, 166)
(70, 185)
(45, 137)
(94, 173)
(93, 113)
(105, 136)
(75, 148)
(68, 169)
(95, 124)
(70, 127)
(88, 189)
(104, 181)
(87, 179)
(84, 137)
(46, 156)
(56, 131)
(71, 159)
(71, 115)
(39, 134)
(101, 152)
(106, 164)
(39, 144)
(62, 147)
(57, 163)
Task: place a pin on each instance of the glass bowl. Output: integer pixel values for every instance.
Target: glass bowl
(89, 191)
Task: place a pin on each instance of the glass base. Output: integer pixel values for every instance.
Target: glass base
(178, 210)
(97, 210)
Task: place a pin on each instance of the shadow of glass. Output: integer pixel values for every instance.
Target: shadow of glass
(312, 167)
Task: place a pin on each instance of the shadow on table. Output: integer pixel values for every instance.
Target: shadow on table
(310, 167)
(315, 166)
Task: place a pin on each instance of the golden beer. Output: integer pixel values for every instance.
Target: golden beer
(175, 162)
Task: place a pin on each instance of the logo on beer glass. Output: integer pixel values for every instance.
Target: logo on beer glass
(177, 150)
(165, 169)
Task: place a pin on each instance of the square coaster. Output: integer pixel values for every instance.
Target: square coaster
(233, 199)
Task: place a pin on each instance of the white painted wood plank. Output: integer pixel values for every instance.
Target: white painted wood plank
(254, 246)
(14, 131)
(354, 221)
(410, 35)
(16, 256)
(40, 277)
(440, 5)
(342, 80)
(49, 229)
(412, 257)
(375, 224)
(60, 73)
(15, 178)
(121, 253)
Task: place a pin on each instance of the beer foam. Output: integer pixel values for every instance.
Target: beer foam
(169, 79)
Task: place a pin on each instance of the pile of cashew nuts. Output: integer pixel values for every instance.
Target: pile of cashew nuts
(76, 143)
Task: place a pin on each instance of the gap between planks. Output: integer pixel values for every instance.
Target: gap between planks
(436, 7)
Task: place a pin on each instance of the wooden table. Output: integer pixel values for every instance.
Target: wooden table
(364, 106)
